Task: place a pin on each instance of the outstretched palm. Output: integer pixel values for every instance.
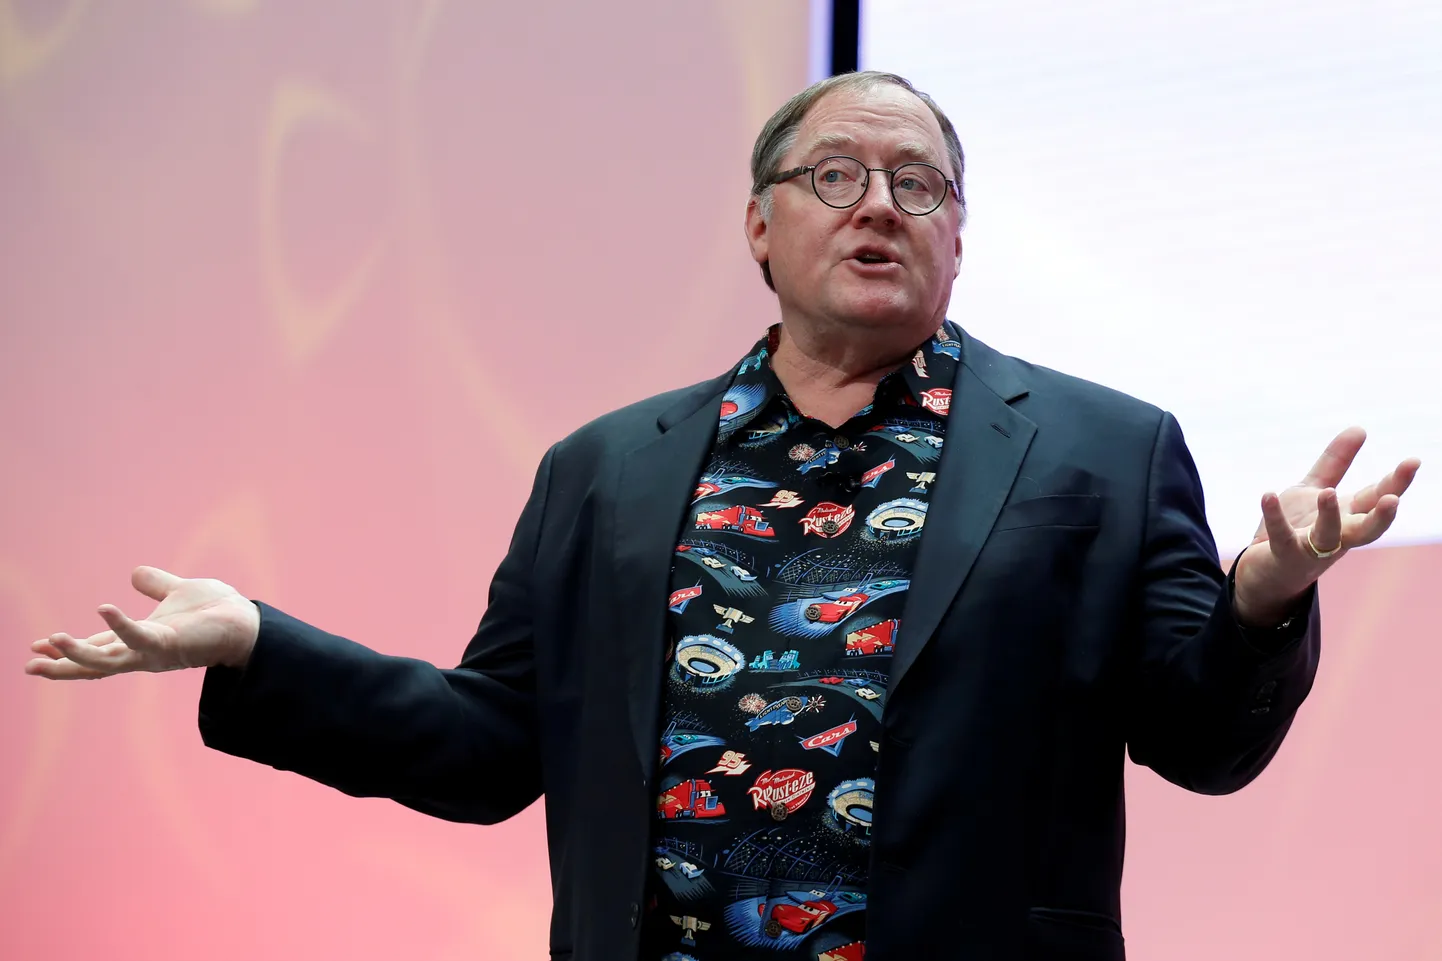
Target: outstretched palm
(1308, 519)
(199, 622)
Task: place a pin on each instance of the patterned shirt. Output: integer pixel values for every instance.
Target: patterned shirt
(787, 590)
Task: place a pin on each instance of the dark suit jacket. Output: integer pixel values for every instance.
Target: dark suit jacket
(1067, 604)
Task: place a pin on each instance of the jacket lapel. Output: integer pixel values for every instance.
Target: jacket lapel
(986, 440)
(656, 483)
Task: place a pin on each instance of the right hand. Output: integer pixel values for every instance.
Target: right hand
(200, 622)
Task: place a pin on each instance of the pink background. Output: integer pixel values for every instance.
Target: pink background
(295, 295)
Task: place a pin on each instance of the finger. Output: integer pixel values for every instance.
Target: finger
(1333, 464)
(1375, 523)
(46, 649)
(103, 639)
(154, 583)
(104, 651)
(61, 670)
(137, 635)
(1326, 530)
(1280, 533)
(80, 654)
(1395, 482)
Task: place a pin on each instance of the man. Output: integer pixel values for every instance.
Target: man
(835, 656)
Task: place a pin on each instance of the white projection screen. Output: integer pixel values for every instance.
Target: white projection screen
(1232, 210)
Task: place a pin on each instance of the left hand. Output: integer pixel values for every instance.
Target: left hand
(1270, 580)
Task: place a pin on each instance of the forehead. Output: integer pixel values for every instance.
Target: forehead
(882, 119)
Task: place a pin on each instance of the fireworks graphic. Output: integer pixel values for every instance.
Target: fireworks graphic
(752, 703)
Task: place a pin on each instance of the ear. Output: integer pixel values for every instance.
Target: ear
(958, 256)
(757, 235)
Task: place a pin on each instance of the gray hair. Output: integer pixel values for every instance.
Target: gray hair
(780, 132)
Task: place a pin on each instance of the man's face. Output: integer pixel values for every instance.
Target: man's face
(812, 249)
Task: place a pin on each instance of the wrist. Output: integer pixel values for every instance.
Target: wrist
(246, 636)
(1261, 610)
(1264, 617)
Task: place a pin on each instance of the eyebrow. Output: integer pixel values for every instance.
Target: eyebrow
(908, 149)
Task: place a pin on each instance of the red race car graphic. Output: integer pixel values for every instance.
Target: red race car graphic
(741, 519)
(690, 799)
(876, 639)
(829, 612)
(800, 918)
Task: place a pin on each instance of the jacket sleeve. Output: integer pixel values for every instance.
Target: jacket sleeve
(460, 744)
(1209, 702)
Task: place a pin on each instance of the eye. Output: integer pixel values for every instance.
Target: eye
(838, 170)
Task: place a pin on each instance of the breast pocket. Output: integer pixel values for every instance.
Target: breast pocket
(1037, 548)
(1052, 510)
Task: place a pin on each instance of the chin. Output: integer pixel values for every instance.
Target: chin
(876, 310)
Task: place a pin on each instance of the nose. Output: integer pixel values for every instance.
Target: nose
(877, 203)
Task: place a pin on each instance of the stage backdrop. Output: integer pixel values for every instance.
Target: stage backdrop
(279, 304)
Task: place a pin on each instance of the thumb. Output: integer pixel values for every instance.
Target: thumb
(154, 583)
(137, 635)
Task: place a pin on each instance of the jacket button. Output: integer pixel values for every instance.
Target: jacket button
(1263, 702)
(635, 914)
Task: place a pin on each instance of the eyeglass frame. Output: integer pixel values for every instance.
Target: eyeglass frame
(795, 172)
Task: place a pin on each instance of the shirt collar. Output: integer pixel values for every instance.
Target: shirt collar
(923, 381)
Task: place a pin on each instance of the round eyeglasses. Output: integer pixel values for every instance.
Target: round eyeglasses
(840, 182)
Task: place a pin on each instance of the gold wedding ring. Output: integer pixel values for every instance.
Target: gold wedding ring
(1318, 554)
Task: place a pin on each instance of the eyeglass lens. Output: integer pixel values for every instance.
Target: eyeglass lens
(916, 188)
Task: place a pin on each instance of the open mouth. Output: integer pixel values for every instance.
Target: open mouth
(872, 259)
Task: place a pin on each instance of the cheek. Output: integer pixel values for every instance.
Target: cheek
(942, 264)
(801, 249)
(809, 253)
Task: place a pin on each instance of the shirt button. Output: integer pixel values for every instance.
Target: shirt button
(778, 811)
(841, 441)
(772, 928)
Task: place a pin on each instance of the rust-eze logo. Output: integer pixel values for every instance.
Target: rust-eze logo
(789, 787)
(828, 519)
(937, 400)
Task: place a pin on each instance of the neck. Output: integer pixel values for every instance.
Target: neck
(831, 377)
